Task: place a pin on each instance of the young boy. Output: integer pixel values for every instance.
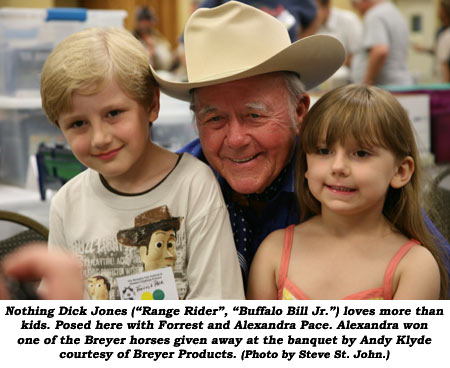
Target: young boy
(96, 86)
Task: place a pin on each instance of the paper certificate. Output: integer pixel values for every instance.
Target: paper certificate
(150, 285)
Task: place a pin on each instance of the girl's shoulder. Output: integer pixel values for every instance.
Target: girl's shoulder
(418, 270)
(274, 242)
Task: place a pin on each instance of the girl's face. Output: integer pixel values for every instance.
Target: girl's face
(349, 179)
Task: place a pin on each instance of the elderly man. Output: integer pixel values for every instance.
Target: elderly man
(246, 84)
(247, 89)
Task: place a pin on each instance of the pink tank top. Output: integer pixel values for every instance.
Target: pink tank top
(287, 290)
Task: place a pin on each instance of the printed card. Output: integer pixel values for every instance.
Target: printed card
(150, 285)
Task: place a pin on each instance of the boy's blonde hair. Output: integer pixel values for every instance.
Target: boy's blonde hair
(87, 60)
(373, 117)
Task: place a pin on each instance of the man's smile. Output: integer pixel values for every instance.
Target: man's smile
(244, 160)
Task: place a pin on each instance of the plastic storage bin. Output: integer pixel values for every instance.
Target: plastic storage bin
(23, 126)
(27, 36)
(174, 127)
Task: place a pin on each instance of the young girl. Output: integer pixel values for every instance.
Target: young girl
(358, 187)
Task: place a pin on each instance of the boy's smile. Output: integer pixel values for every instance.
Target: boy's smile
(109, 132)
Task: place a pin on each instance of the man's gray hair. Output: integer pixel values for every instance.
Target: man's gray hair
(296, 88)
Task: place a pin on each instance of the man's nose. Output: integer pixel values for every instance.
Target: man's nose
(237, 133)
(101, 134)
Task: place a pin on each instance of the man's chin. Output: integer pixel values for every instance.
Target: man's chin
(245, 186)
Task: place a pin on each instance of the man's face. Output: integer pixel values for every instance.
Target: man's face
(247, 129)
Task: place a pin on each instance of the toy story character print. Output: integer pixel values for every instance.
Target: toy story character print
(98, 287)
(154, 232)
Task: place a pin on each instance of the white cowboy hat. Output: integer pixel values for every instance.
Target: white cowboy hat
(235, 41)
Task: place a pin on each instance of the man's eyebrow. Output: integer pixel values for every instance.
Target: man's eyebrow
(206, 110)
(257, 106)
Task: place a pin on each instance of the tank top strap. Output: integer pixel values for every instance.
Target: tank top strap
(285, 257)
(392, 266)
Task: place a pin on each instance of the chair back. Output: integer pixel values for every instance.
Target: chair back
(24, 230)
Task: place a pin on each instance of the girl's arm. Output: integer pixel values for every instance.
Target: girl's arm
(419, 277)
(262, 281)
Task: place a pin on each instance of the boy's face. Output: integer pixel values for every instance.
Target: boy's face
(109, 132)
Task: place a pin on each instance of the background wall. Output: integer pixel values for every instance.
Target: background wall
(173, 15)
(38, 3)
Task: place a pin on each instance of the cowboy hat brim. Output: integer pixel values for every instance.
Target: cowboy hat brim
(314, 59)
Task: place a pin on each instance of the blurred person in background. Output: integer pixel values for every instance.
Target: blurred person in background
(296, 15)
(443, 43)
(381, 57)
(441, 48)
(343, 24)
(159, 48)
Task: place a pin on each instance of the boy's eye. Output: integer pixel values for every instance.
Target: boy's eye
(77, 124)
(113, 113)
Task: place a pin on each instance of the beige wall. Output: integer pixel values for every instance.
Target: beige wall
(38, 3)
(26, 3)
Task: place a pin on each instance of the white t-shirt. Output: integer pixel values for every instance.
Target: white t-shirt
(384, 25)
(86, 216)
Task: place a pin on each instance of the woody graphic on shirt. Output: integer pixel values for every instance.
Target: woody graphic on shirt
(154, 232)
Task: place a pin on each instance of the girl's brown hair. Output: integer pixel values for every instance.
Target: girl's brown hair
(373, 117)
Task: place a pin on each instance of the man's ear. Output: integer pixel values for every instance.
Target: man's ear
(302, 110)
(153, 110)
(405, 169)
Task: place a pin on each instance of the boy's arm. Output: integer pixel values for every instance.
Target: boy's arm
(262, 281)
(419, 277)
